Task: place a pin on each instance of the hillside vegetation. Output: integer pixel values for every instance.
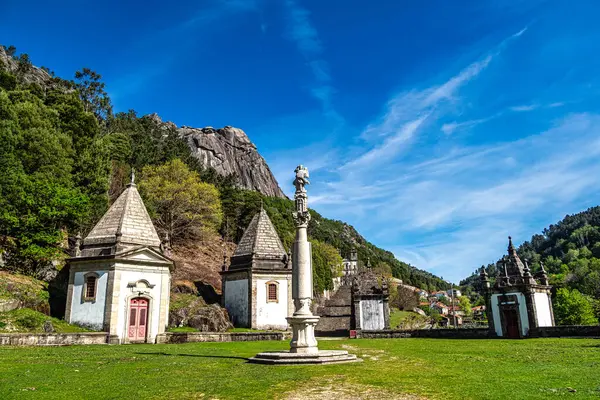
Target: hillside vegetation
(66, 156)
(570, 253)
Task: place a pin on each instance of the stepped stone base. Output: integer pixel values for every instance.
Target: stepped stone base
(287, 358)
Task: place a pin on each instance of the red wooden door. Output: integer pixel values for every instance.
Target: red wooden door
(512, 324)
(138, 319)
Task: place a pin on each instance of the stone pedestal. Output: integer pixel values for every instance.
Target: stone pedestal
(303, 334)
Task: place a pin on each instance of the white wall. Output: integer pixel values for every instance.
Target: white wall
(125, 293)
(236, 301)
(371, 315)
(522, 313)
(89, 314)
(271, 315)
(542, 309)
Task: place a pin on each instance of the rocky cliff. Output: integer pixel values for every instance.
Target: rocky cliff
(229, 151)
(27, 73)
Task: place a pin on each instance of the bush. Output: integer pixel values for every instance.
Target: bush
(30, 319)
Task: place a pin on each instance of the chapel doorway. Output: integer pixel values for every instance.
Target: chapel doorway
(511, 324)
(138, 320)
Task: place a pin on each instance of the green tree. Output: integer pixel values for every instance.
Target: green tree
(182, 205)
(404, 298)
(93, 94)
(573, 308)
(327, 264)
(39, 203)
(465, 305)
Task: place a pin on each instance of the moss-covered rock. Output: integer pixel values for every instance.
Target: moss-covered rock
(20, 291)
(191, 310)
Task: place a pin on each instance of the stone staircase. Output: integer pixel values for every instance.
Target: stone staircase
(336, 314)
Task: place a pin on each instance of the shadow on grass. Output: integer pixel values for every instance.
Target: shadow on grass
(193, 355)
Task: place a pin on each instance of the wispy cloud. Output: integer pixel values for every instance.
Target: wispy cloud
(450, 204)
(465, 204)
(528, 107)
(451, 127)
(409, 112)
(306, 37)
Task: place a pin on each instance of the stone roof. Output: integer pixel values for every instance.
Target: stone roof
(126, 222)
(260, 239)
(514, 265)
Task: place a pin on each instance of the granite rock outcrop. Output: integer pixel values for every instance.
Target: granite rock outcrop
(228, 151)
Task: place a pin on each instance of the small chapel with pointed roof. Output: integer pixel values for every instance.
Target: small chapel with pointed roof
(119, 278)
(257, 284)
(519, 301)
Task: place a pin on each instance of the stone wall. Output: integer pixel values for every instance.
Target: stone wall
(481, 333)
(56, 339)
(472, 333)
(566, 331)
(188, 337)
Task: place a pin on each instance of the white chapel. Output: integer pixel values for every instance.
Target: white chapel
(257, 285)
(119, 279)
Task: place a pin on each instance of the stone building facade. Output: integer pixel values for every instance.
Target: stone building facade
(257, 285)
(119, 278)
(350, 264)
(370, 301)
(361, 304)
(519, 301)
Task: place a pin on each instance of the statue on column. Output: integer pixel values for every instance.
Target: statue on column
(301, 216)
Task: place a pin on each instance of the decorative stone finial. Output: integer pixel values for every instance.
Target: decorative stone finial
(224, 266)
(132, 180)
(526, 270)
(483, 276)
(301, 215)
(543, 276)
(511, 248)
(506, 277)
(165, 245)
(78, 244)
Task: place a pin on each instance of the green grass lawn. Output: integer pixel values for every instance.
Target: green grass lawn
(392, 369)
(397, 316)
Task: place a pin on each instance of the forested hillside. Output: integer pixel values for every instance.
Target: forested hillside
(65, 156)
(570, 253)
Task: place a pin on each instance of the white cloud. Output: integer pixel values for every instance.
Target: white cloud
(451, 127)
(463, 205)
(302, 32)
(527, 107)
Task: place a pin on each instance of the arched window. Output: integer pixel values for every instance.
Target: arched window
(272, 292)
(90, 286)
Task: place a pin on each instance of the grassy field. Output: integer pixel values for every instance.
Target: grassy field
(392, 369)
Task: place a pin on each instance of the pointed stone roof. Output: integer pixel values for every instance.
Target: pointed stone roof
(126, 224)
(260, 239)
(514, 265)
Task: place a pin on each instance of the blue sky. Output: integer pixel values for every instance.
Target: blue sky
(436, 128)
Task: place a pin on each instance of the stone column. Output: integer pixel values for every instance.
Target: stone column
(303, 322)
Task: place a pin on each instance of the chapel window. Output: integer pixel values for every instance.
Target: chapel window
(272, 292)
(90, 287)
